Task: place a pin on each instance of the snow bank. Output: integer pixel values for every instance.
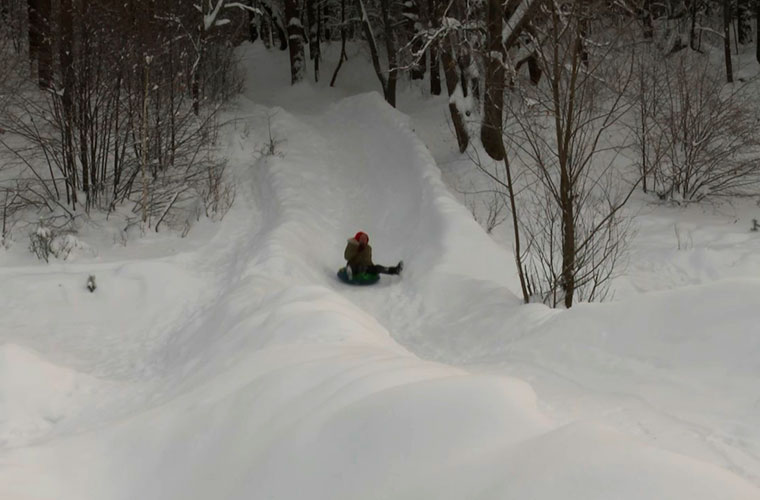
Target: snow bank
(35, 394)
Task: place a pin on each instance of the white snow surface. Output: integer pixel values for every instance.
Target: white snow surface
(233, 364)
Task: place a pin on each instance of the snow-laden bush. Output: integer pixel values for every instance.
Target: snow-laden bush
(46, 242)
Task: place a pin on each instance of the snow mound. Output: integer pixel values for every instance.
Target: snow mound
(35, 394)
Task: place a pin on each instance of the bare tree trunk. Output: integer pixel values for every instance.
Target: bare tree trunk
(295, 41)
(493, 100)
(564, 129)
(452, 82)
(568, 238)
(66, 55)
(435, 70)
(727, 40)
(343, 37)
(450, 69)
(318, 55)
(388, 83)
(744, 14)
(391, 51)
(693, 29)
(40, 40)
(515, 226)
(253, 32)
(646, 19)
(35, 32)
(411, 14)
(276, 24)
(144, 144)
(435, 63)
(757, 30)
(196, 77)
(312, 15)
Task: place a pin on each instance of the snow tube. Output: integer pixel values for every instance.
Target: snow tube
(358, 279)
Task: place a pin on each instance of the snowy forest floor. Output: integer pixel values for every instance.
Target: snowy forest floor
(232, 363)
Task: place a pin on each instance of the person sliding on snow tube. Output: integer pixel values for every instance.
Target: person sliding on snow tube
(358, 255)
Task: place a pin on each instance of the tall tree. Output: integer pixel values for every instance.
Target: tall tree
(343, 38)
(493, 98)
(313, 18)
(295, 39)
(757, 30)
(413, 27)
(40, 40)
(391, 50)
(727, 40)
(571, 211)
(744, 14)
(387, 77)
(519, 14)
(435, 60)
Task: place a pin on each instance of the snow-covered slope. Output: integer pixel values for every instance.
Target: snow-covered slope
(243, 369)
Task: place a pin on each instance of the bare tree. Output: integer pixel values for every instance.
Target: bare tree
(705, 134)
(646, 96)
(572, 216)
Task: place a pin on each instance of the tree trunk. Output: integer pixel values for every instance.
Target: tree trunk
(324, 17)
(568, 237)
(40, 40)
(646, 19)
(435, 70)
(318, 43)
(343, 37)
(253, 31)
(277, 24)
(493, 100)
(66, 55)
(516, 227)
(450, 70)
(757, 30)
(452, 85)
(744, 13)
(727, 40)
(35, 32)
(693, 29)
(411, 14)
(435, 63)
(391, 51)
(295, 41)
(196, 79)
(370, 36)
(311, 19)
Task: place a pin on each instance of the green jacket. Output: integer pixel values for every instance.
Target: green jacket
(358, 258)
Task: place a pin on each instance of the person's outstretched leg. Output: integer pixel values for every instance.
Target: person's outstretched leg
(377, 269)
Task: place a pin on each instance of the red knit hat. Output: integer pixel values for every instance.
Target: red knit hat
(361, 235)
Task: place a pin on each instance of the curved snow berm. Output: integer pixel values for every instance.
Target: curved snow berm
(289, 385)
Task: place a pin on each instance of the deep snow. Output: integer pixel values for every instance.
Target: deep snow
(235, 365)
